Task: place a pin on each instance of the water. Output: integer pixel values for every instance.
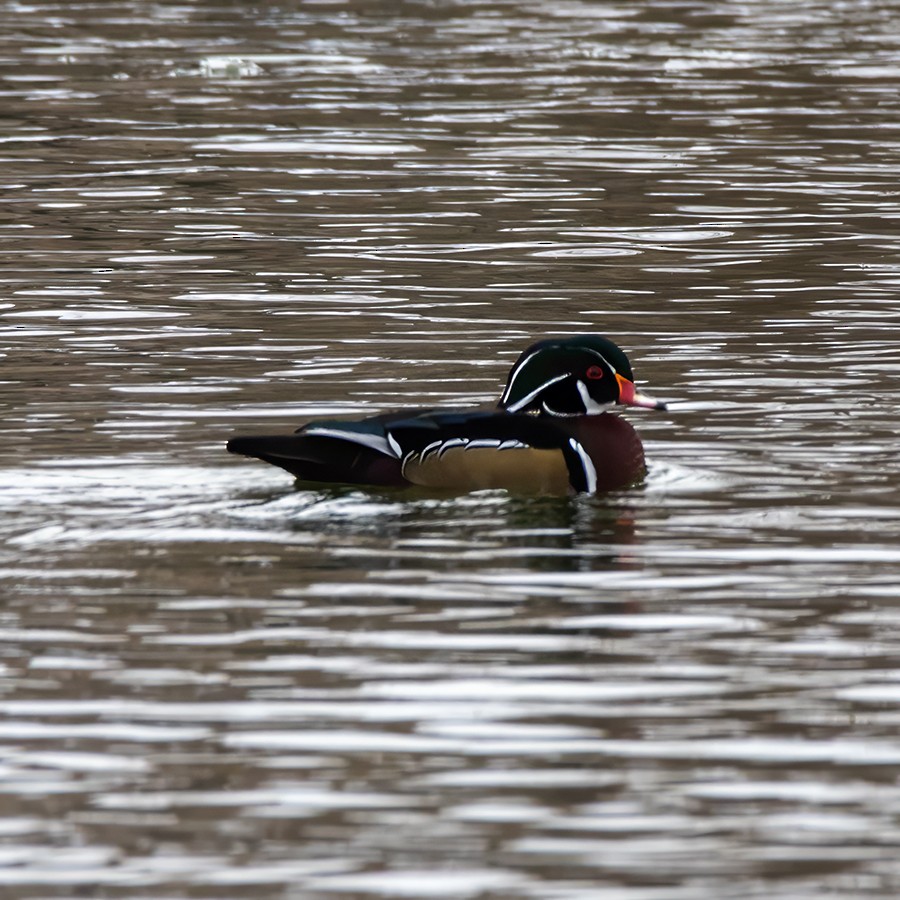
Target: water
(221, 218)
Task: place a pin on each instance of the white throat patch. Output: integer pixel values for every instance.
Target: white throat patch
(591, 406)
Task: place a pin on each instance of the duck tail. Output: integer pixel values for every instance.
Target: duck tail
(318, 458)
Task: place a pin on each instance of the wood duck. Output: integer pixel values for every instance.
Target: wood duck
(552, 432)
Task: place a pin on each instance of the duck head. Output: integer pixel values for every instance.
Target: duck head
(577, 376)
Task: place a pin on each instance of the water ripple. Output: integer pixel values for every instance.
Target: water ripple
(223, 219)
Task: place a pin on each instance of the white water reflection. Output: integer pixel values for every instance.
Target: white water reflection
(228, 219)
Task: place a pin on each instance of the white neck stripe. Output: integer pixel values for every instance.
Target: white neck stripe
(590, 472)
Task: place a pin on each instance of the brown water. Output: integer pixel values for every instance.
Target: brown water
(221, 217)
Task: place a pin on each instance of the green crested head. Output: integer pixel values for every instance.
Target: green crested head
(576, 376)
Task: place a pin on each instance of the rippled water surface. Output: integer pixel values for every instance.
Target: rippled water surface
(221, 217)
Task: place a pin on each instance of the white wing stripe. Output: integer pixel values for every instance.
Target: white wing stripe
(450, 444)
(395, 447)
(494, 444)
(439, 448)
(375, 441)
(433, 447)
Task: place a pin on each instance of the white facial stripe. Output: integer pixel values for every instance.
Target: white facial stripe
(601, 357)
(514, 374)
(518, 369)
(591, 406)
(590, 472)
(515, 407)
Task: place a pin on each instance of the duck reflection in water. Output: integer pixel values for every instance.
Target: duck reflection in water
(552, 433)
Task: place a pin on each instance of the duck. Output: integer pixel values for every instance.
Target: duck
(553, 431)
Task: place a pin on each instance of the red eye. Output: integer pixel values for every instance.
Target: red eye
(594, 372)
